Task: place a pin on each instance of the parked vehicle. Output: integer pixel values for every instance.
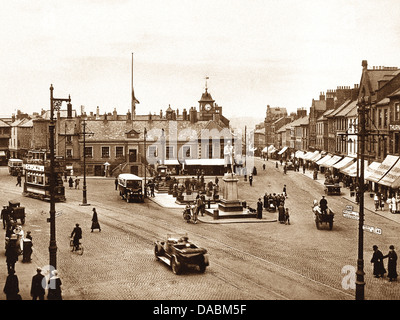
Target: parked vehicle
(179, 253)
(131, 187)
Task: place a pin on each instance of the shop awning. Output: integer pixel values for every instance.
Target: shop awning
(345, 162)
(2, 154)
(300, 154)
(391, 176)
(385, 166)
(311, 155)
(171, 162)
(205, 162)
(270, 149)
(329, 163)
(282, 150)
(370, 169)
(351, 170)
(324, 159)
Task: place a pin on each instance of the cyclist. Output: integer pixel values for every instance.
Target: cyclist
(76, 235)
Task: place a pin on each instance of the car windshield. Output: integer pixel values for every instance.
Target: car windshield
(133, 184)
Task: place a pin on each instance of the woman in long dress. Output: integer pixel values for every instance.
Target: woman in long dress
(95, 221)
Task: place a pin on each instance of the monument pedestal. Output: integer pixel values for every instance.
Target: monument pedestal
(230, 201)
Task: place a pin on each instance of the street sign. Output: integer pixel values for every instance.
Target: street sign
(372, 229)
(349, 213)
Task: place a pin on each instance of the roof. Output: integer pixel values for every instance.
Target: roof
(339, 109)
(112, 130)
(395, 93)
(4, 124)
(347, 109)
(206, 97)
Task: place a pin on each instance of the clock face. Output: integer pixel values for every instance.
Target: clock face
(208, 107)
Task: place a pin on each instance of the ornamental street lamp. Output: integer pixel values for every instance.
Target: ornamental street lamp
(55, 104)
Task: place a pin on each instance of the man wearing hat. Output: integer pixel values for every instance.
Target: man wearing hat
(38, 285)
(323, 204)
(377, 260)
(76, 234)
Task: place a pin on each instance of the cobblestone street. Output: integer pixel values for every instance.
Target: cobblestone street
(249, 260)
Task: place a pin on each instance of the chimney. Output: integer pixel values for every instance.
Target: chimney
(321, 96)
(97, 112)
(105, 117)
(161, 114)
(115, 115)
(364, 64)
(184, 114)
(69, 110)
(128, 116)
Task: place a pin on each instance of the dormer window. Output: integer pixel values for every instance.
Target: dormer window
(133, 134)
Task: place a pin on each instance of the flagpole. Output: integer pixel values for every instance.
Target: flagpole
(132, 102)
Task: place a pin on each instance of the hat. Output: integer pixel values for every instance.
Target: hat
(39, 269)
(391, 247)
(374, 247)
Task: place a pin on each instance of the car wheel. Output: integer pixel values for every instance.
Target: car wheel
(176, 269)
(202, 267)
(157, 252)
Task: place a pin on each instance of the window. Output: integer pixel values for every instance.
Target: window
(88, 152)
(68, 139)
(379, 118)
(169, 152)
(397, 111)
(69, 153)
(385, 118)
(105, 152)
(153, 152)
(186, 151)
(119, 152)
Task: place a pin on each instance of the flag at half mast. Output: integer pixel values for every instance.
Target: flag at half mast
(134, 100)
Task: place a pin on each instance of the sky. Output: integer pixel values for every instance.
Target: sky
(281, 53)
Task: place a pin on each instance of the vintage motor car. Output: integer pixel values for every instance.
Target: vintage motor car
(179, 253)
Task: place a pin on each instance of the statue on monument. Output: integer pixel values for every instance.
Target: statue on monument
(228, 157)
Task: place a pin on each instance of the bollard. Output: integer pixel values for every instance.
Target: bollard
(216, 214)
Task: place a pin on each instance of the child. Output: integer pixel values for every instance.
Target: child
(287, 221)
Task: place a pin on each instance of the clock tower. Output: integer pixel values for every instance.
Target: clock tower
(206, 105)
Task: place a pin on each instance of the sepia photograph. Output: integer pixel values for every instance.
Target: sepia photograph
(200, 158)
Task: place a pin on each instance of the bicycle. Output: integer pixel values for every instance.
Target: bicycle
(79, 249)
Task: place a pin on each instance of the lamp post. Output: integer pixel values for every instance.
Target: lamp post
(145, 163)
(84, 189)
(55, 104)
(360, 284)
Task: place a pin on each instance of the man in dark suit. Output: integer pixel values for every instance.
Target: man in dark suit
(76, 235)
(37, 288)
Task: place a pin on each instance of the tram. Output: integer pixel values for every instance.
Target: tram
(15, 166)
(37, 177)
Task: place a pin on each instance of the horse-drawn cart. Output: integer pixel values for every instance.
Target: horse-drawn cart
(332, 189)
(321, 218)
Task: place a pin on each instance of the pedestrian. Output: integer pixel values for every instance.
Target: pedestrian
(392, 264)
(281, 213)
(11, 287)
(376, 201)
(116, 183)
(76, 182)
(12, 253)
(263, 166)
(5, 216)
(38, 285)
(287, 220)
(284, 169)
(216, 180)
(19, 179)
(54, 285)
(152, 189)
(377, 260)
(65, 176)
(27, 249)
(276, 165)
(304, 168)
(259, 208)
(95, 221)
(251, 179)
(71, 182)
(284, 191)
